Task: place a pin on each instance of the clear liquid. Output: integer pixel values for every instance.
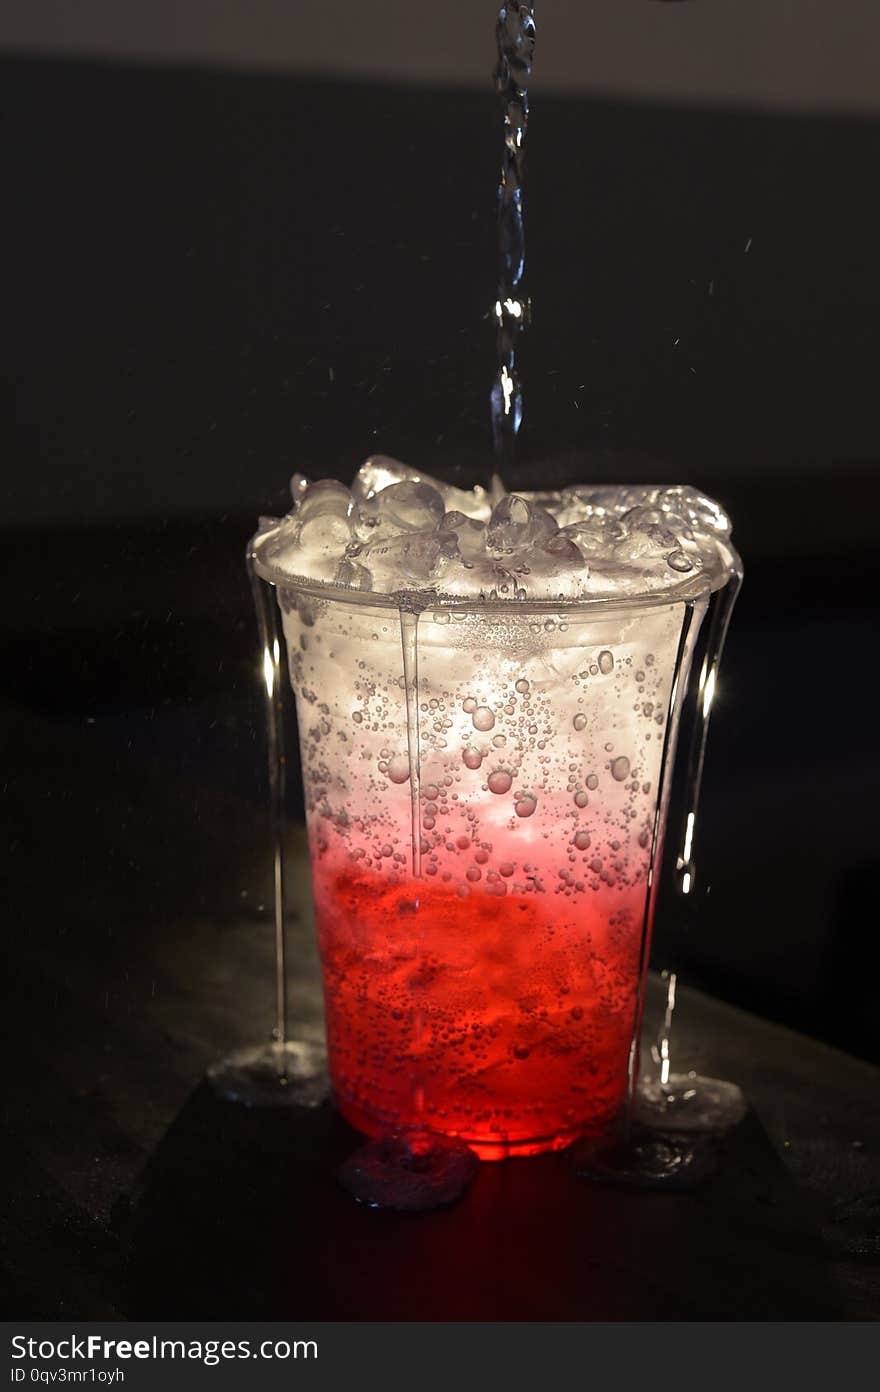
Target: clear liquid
(483, 794)
(515, 34)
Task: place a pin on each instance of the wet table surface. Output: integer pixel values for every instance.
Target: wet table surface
(131, 1191)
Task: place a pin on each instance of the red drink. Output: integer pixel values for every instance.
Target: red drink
(504, 1019)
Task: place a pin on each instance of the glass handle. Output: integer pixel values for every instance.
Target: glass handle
(269, 626)
(684, 871)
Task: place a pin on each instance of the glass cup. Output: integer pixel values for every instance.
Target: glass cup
(487, 787)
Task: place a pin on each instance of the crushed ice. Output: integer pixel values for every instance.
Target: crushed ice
(397, 528)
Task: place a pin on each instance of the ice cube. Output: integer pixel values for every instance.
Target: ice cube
(381, 471)
(701, 512)
(473, 502)
(548, 500)
(298, 485)
(325, 496)
(370, 526)
(607, 577)
(556, 569)
(413, 507)
(564, 552)
(645, 539)
(407, 559)
(285, 557)
(378, 472)
(587, 503)
(324, 534)
(660, 535)
(483, 578)
(354, 574)
(284, 552)
(517, 524)
(470, 533)
(596, 536)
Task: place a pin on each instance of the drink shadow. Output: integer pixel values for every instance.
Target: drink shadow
(238, 1214)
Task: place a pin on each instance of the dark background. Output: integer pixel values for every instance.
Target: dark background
(213, 278)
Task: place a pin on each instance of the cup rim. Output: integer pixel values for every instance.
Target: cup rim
(418, 601)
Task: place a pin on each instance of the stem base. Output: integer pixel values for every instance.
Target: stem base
(688, 1103)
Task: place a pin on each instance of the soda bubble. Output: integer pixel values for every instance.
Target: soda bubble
(472, 758)
(620, 768)
(606, 662)
(469, 705)
(592, 782)
(522, 686)
(580, 799)
(500, 781)
(506, 869)
(581, 840)
(680, 561)
(398, 768)
(525, 804)
(483, 719)
(580, 721)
